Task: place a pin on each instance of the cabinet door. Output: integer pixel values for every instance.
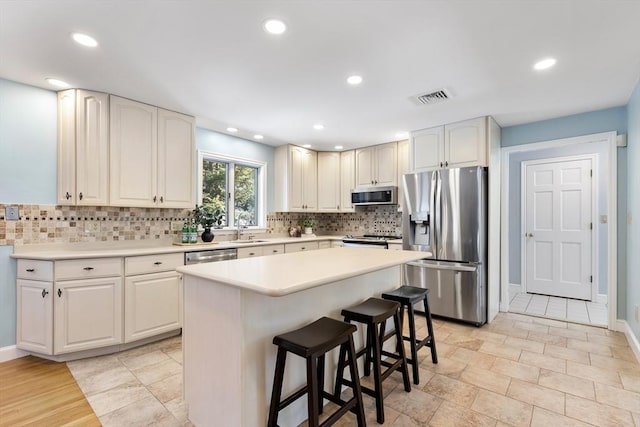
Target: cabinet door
(466, 143)
(310, 181)
(299, 247)
(34, 329)
(347, 179)
(66, 193)
(365, 176)
(175, 160)
(92, 148)
(403, 168)
(272, 250)
(328, 182)
(296, 178)
(250, 252)
(133, 153)
(386, 164)
(87, 314)
(153, 305)
(427, 149)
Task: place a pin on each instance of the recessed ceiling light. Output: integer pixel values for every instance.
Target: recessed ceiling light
(338, 147)
(354, 80)
(544, 64)
(274, 26)
(84, 40)
(402, 135)
(306, 146)
(258, 136)
(318, 126)
(233, 130)
(56, 82)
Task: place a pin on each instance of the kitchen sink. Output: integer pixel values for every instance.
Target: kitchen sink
(248, 241)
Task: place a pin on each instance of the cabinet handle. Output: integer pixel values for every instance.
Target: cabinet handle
(59, 293)
(446, 163)
(440, 164)
(161, 199)
(44, 292)
(155, 199)
(157, 263)
(303, 248)
(67, 196)
(275, 251)
(80, 195)
(88, 268)
(251, 253)
(30, 270)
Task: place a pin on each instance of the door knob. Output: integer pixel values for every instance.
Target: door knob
(530, 235)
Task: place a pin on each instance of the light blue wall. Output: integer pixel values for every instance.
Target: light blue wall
(610, 119)
(28, 125)
(7, 297)
(232, 146)
(633, 206)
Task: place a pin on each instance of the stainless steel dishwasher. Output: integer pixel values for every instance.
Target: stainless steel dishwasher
(211, 255)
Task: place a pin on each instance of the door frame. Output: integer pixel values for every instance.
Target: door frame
(612, 199)
(595, 248)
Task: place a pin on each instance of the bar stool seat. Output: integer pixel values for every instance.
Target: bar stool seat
(408, 296)
(312, 342)
(373, 313)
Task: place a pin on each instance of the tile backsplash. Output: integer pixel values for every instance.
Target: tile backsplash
(69, 224)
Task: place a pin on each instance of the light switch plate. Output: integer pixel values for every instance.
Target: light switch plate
(11, 213)
(91, 227)
(604, 219)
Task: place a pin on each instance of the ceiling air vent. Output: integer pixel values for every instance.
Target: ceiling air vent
(433, 97)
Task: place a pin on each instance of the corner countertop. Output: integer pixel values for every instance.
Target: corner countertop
(294, 272)
(56, 252)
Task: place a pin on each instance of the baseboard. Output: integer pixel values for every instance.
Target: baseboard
(602, 299)
(11, 352)
(623, 326)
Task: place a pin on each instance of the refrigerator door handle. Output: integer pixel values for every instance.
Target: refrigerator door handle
(439, 266)
(434, 214)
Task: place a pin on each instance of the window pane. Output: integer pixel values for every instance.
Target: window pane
(246, 194)
(214, 185)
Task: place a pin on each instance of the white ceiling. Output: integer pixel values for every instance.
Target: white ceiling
(212, 59)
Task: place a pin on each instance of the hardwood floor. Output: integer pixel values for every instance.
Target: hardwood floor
(38, 392)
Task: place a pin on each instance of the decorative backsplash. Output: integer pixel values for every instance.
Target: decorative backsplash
(70, 224)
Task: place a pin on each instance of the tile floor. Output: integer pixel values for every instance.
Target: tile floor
(572, 310)
(517, 371)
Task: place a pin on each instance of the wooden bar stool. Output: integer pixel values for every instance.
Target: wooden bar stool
(407, 296)
(312, 342)
(374, 313)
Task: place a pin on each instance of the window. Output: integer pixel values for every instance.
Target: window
(235, 185)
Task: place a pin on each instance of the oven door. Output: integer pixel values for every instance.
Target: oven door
(346, 243)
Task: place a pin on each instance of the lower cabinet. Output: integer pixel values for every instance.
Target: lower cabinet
(153, 304)
(87, 314)
(299, 247)
(34, 329)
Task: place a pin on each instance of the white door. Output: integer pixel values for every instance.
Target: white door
(364, 167)
(427, 149)
(558, 228)
(328, 182)
(386, 164)
(175, 160)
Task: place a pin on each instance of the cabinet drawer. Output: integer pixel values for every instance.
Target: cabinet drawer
(249, 252)
(87, 268)
(272, 250)
(35, 269)
(152, 263)
(299, 247)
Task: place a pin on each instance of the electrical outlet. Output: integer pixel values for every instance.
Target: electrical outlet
(91, 227)
(11, 213)
(604, 219)
(176, 225)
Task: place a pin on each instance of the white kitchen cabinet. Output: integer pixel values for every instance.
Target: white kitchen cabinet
(34, 326)
(347, 179)
(403, 168)
(83, 148)
(453, 145)
(151, 156)
(376, 166)
(272, 250)
(299, 247)
(152, 304)
(87, 314)
(296, 179)
(329, 182)
(249, 252)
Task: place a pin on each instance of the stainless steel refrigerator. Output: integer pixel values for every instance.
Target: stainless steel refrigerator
(445, 213)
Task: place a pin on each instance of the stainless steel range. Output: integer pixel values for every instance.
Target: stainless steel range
(369, 241)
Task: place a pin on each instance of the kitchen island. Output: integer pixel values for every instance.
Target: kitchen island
(233, 309)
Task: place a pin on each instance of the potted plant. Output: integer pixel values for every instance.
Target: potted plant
(208, 217)
(308, 224)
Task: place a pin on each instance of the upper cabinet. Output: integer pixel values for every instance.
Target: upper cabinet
(347, 179)
(376, 166)
(450, 146)
(296, 179)
(83, 148)
(403, 168)
(329, 182)
(151, 154)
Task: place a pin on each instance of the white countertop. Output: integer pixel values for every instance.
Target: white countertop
(54, 252)
(288, 273)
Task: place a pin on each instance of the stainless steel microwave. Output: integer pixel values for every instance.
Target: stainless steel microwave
(374, 196)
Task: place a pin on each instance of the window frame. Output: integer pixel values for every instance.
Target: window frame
(261, 214)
